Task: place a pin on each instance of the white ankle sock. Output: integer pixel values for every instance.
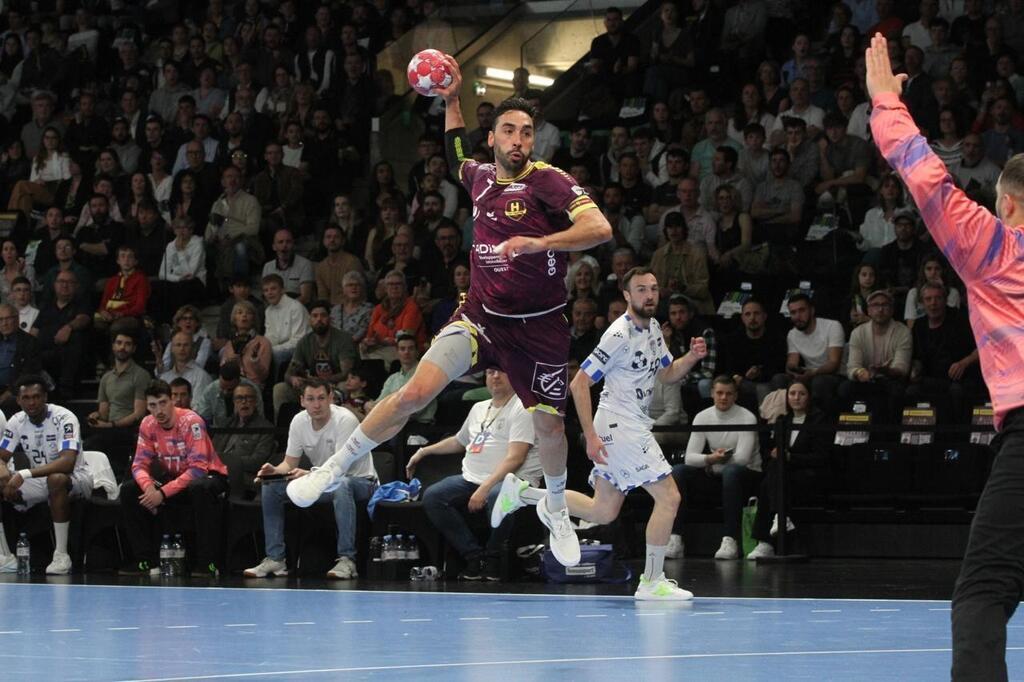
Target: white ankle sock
(357, 445)
(655, 564)
(556, 491)
(60, 532)
(532, 495)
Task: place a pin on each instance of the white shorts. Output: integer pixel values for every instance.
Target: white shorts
(634, 457)
(34, 490)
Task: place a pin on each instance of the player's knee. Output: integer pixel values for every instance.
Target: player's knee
(670, 499)
(413, 397)
(57, 483)
(548, 426)
(604, 515)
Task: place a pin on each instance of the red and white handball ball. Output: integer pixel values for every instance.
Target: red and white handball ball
(428, 71)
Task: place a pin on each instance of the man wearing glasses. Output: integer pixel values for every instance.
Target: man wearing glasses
(245, 452)
(880, 355)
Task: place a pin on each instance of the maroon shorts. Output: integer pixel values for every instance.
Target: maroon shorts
(532, 351)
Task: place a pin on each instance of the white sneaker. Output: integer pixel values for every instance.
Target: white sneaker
(790, 526)
(562, 538)
(728, 550)
(674, 548)
(509, 499)
(267, 567)
(763, 549)
(61, 564)
(305, 490)
(8, 563)
(661, 589)
(345, 569)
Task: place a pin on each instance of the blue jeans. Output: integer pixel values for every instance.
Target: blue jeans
(445, 503)
(351, 490)
(736, 482)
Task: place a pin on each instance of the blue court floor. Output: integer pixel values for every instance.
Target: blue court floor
(81, 632)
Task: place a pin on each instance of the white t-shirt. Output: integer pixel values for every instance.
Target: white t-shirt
(43, 443)
(486, 435)
(628, 358)
(812, 116)
(320, 445)
(294, 276)
(813, 348)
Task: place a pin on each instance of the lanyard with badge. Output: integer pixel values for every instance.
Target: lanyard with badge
(476, 446)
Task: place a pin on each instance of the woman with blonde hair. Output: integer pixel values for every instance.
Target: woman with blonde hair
(250, 349)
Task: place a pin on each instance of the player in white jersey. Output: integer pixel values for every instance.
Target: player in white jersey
(51, 439)
(630, 357)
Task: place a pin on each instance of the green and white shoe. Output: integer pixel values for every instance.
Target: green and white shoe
(661, 589)
(509, 498)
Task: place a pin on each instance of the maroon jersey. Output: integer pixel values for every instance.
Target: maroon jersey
(540, 201)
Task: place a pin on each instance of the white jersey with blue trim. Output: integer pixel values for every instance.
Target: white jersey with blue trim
(43, 443)
(628, 358)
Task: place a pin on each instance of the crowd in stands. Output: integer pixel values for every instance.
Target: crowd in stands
(161, 159)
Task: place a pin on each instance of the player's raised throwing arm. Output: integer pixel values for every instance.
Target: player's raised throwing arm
(456, 143)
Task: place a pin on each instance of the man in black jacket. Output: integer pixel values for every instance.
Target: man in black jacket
(19, 354)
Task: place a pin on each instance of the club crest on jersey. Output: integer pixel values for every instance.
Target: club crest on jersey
(69, 429)
(550, 381)
(515, 209)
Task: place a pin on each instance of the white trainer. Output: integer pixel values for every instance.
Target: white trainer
(562, 538)
(790, 526)
(267, 567)
(661, 589)
(345, 569)
(674, 549)
(8, 563)
(61, 564)
(509, 498)
(763, 549)
(305, 490)
(728, 549)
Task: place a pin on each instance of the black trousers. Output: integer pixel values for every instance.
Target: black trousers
(991, 581)
(203, 503)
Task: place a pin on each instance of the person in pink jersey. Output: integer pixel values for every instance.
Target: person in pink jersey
(175, 463)
(986, 251)
(526, 216)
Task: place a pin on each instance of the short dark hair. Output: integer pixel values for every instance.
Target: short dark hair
(27, 380)
(20, 280)
(512, 104)
(729, 154)
(753, 128)
(798, 298)
(230, 371)
(724, 380)
(793, 122)
(635, 272)
(273, 278)
(178, 382)
(317, 382)
(321, 303)
(780, 151)
(404, 335)
(158, 388)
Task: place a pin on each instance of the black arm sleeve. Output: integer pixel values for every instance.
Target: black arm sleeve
(456, 147)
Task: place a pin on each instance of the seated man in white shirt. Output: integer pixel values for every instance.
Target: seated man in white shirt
(285, 319)
(732, 463)
(183, 363)
(496, 439)
(316, 432)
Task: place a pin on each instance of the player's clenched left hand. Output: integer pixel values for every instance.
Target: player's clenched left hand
(698, 347)
(519, 246)
(595, 449)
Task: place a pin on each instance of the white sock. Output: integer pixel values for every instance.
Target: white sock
(532, 495)
(357, 445)
(556, 491)
(60, 532)
(4, 549)
(655, 565)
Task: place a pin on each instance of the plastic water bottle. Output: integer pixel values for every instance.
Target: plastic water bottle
(24, 553)
(387, 549)
(423, 573)
(178, 556)
(413, 550)
(400, 549)
(375, 549)
(166, 566)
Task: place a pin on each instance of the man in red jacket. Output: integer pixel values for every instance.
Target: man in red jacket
(175, 464)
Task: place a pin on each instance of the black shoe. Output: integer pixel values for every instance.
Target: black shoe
(492, 568)
(138, 568)
(473, 570)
